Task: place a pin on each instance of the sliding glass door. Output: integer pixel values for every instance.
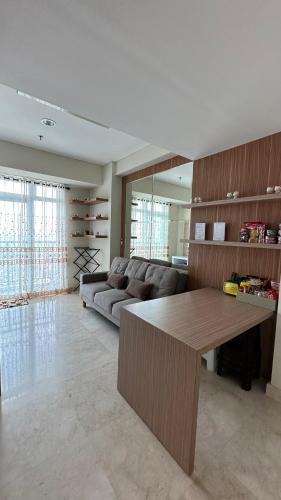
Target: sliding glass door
(32, 238)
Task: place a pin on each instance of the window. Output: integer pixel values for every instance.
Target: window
(149, 236)
(32, 238)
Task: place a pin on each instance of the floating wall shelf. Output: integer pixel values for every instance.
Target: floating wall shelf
(89, 218)
(93, 201)
(260, 246)
(245, 199)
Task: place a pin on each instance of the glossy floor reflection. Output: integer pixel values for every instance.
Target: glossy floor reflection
(66, 433)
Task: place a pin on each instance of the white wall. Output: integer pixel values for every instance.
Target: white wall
(149, 155)
(274, 389)
(111, 188)
(56, 167)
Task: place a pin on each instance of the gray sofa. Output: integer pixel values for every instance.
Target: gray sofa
(96, 293)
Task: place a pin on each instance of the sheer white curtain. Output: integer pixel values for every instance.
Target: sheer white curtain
(150, 229)
(33, 253)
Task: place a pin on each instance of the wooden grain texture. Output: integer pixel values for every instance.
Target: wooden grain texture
(160, 347)
(249, 169)
(159, 377)
(259, 246)
(156, 168)
(235, 201)
(202, 319)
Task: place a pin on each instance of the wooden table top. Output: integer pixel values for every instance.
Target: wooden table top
(202, 319)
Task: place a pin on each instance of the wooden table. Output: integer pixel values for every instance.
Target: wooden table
(160, 347)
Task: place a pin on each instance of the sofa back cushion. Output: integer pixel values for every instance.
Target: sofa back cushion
(117, 280)
(182, 281)
(163, 279)
(136, 269)
(119, 265)
(160, 262)
(139, 289)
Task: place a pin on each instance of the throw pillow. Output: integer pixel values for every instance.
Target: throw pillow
(117, 280)
(139, 289)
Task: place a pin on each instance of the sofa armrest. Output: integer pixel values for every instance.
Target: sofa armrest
(93, 277)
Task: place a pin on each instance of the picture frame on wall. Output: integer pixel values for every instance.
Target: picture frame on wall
(219, 231)
(200, 231)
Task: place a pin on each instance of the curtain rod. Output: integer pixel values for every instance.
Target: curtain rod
(18, 179)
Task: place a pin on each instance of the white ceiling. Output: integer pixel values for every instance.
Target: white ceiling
(191, 76)
(179, 176)
(20, 122)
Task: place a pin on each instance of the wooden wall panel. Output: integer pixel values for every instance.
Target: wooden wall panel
(249, 169)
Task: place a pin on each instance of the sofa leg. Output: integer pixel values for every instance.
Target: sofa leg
(84, 303)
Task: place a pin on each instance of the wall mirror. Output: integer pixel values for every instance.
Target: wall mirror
(157, 217)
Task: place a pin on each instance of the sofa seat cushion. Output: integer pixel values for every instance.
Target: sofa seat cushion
(164, 280)
(106, 299)
(88, 291)
(116, 309)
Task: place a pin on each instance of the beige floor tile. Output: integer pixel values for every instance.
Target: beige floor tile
(66, 432)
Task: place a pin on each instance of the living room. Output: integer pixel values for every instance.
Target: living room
(140, 188)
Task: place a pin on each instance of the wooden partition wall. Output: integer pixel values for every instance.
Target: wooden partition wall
(249, 169)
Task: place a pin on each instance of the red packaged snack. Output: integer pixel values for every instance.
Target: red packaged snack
(256, 231)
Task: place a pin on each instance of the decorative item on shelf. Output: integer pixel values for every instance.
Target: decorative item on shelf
(252, 232)
(254, 290)
(235, 194)
(219, 231)
(229, 195)
(270, 189)
(197, 199)
(76, 234)
(271, 236)
(87, 232)
(277, 189)
(279, 234)
(200, 230)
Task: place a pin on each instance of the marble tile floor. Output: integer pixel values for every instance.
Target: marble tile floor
(67, 434)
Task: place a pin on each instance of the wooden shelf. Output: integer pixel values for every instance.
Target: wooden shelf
(245, 199)
(76, 202)
(260, 246)
(93, 218)
(89, 236)
(94, 201)
(97, 237)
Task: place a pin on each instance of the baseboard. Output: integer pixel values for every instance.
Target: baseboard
(273, 392)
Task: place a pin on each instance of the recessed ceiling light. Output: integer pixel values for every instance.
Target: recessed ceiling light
(59, 108)
(48, 122)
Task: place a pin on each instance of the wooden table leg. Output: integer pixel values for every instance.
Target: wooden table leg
(159, 377)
